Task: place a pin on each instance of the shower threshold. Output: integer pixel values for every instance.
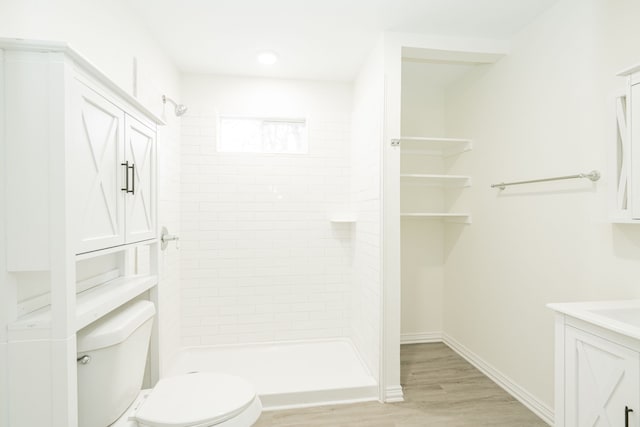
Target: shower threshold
(288, 374)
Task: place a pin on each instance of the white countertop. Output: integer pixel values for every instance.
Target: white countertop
(621, 316)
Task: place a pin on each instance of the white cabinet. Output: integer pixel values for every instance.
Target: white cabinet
(625, 151)
(113, 169)
(98, 152)
(78, 214)
(597, 364)
(634, 128)
(140, 204)
(602, 381)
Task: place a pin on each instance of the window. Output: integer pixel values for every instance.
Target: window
(262, 135)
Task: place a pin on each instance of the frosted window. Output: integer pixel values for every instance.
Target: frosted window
(259, 135)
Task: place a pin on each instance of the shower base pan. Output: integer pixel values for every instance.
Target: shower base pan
(288, 375)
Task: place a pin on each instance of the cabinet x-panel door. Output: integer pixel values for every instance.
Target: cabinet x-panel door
(97, 153)
(602, 380)
(140, 204)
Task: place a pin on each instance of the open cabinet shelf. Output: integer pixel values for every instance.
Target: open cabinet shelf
(442, 147)
(92, 303)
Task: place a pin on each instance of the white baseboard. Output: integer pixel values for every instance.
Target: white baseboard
(421, 338)
(393, 394)
(526, 398)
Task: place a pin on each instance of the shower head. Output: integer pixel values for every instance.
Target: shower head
(179, 109)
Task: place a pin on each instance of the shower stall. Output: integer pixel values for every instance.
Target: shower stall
(280, 237)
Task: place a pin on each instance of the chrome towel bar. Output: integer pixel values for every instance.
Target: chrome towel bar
(594, 175)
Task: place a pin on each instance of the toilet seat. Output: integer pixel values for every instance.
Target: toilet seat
(200, 399)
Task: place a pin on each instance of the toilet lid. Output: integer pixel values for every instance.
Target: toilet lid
(195, 399)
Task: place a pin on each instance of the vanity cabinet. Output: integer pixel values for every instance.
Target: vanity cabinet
(114, 169)
(597, 364)
(602, 381)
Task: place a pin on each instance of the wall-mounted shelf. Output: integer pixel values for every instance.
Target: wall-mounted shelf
(438, 147)
(448, 181)
(93, 303)
(446, 216)
(442, 147)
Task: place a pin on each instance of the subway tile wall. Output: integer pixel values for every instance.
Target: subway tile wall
(260, 260)
(169, 216)
(366, 160)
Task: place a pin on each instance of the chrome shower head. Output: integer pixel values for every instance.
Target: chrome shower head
(179, 109)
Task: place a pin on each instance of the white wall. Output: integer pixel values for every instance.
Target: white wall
(423, 96)
(422, 241)
(260, 259)
(5, 294)
(109, 35)
(366, 137)
(541, 111)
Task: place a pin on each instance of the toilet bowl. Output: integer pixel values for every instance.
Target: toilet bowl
(201, 399)
(112, 354)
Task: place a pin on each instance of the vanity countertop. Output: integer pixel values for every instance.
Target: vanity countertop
(621, 316)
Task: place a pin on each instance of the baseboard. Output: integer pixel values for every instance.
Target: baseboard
(393, 394)
(421, 338)
(526, 398)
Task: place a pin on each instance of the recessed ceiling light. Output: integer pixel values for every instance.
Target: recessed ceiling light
(267, 58)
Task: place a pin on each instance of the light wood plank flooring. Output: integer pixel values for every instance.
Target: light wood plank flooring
(440, 389)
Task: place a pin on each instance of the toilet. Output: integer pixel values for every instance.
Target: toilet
(112, 354)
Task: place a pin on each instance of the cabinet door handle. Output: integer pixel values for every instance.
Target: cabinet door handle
(626, 415)
(133, 179)
(126, 176)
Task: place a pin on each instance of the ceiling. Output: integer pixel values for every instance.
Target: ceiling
(321, 39)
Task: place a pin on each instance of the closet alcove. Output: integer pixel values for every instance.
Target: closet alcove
(434, 183)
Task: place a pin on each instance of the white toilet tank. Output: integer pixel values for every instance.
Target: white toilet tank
(112, 353)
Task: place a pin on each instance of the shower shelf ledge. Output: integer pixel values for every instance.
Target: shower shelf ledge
(92, 303)
(346, 217)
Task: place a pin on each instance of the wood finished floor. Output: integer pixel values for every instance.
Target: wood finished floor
(440, 389)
